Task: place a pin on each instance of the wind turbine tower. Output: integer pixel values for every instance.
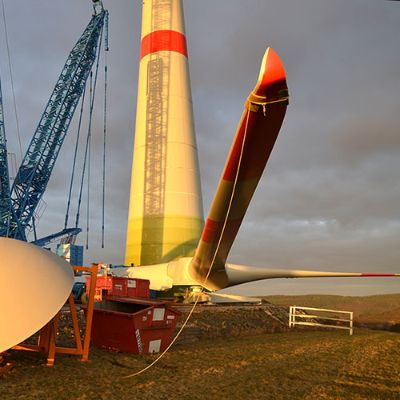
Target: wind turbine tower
(165, 209)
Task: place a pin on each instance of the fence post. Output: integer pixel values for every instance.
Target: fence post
(294, 317)
(351, 323)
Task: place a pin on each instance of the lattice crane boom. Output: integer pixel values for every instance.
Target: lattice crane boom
(5, 197)
(34, 173)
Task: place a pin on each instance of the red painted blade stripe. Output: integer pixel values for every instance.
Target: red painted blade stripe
(212, 231)
(367, 274)
(163, 40)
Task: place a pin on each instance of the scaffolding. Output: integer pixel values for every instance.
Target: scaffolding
(156, 132)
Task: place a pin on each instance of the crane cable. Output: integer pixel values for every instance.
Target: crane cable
(75, 155)
(86, 161)
(11, 77)
(104, 148)
(212, 262)
(83, 170)
(106, 49)
(89, 147)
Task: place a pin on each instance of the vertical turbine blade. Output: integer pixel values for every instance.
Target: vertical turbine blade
(255, 137)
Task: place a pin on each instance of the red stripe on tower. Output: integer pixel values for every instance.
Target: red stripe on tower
(166, 40)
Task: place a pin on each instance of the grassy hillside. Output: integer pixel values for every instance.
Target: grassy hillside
(282, 366)
(367, 309)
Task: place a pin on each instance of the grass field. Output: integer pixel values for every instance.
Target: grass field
(294, 365)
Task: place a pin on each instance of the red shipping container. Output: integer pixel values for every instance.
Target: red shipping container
(133, 325)
(119, 287)
(130, 287)
(102, 282)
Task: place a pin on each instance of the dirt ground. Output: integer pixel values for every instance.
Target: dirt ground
(310, 365)
(231, 321)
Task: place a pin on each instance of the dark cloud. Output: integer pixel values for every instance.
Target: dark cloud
(329, 198)
(367, 137)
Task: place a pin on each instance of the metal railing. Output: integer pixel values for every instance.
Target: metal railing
(345, 318)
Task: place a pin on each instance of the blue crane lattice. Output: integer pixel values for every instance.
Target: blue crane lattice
(34, 173)
(5, 197)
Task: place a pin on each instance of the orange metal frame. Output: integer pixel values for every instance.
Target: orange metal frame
(47, 338)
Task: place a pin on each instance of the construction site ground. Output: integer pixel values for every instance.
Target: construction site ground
(226, 352)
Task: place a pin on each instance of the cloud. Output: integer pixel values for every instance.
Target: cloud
(329, 196)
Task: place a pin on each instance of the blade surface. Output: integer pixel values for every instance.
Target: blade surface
(238, 274)
(34, 285)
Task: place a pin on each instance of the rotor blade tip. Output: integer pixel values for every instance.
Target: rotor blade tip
(272, 73)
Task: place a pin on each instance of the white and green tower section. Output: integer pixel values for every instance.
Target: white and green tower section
(165, 210)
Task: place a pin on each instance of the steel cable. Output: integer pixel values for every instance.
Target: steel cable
(11, 77)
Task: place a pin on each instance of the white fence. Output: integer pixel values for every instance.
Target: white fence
(298, 316)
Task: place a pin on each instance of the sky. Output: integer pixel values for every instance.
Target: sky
(329, 198)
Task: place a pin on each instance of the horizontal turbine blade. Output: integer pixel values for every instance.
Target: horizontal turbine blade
(238, 274)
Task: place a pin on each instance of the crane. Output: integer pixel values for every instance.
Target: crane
(18, 204)
(5, 197)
